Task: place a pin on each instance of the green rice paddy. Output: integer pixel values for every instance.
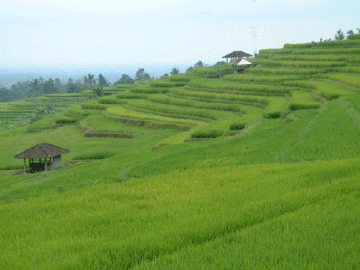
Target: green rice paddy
(249, 171)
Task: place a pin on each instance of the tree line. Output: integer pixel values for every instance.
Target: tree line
(177, 71)
(339, 35)
(39, 87)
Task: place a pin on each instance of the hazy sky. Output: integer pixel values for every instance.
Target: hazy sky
(78, 32)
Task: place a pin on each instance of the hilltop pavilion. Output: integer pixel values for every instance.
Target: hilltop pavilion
(235, 55)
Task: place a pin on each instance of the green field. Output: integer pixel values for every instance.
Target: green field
(248, 171)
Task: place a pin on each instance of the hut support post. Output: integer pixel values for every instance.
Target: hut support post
(24, 165)
(45, 165)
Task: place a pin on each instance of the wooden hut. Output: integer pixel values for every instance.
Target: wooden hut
(47, 155)
(235, 55)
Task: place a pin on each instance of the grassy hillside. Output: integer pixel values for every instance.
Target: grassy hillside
(248, 171)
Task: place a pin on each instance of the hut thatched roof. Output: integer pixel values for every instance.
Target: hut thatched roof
(237, 54)
(42, 150)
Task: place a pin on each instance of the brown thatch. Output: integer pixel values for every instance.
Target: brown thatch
(237, 54)
(42, 150)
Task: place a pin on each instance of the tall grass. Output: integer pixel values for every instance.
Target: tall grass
(316, 143)
(299, 64)
(205, 72)
(335, 43)
(324, 88)
(196, 104)
(167, 83)
(219, 96)
(286, 71)
(223, 85)
(173, 110)
(333, 51)
(94, 155)
(123, 112)
(303, 100)
(354, 36)
(181, 78)
(347, 69)
(259, 79)
(235, 190)
(149, 90)
(272, 52)
(93, 105)
(127, 95)
(311, 57)
(147, 222)
(276, 108)
(350, 79)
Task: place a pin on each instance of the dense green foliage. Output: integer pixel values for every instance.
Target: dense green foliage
(251, 171)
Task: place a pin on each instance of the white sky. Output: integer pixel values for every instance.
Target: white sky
(81, 33)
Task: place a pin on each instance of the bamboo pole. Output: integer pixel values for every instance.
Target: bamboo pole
(24, 165)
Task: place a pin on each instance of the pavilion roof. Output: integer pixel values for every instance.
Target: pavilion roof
(237, 54)
(241, 62)
(42, 150)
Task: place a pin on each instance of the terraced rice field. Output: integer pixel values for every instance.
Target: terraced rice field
(290, 79)
(248, 171)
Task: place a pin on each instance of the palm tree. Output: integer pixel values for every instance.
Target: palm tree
(174, 71)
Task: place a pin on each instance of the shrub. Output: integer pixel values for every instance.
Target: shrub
(272, 115)
(237, 126)
(98, 91)
(149, 90)
(204, 133)
(110, 101)
(65, 120)
(299, 106)
(12, 167)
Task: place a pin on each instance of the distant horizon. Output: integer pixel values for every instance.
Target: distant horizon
(13, 74)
